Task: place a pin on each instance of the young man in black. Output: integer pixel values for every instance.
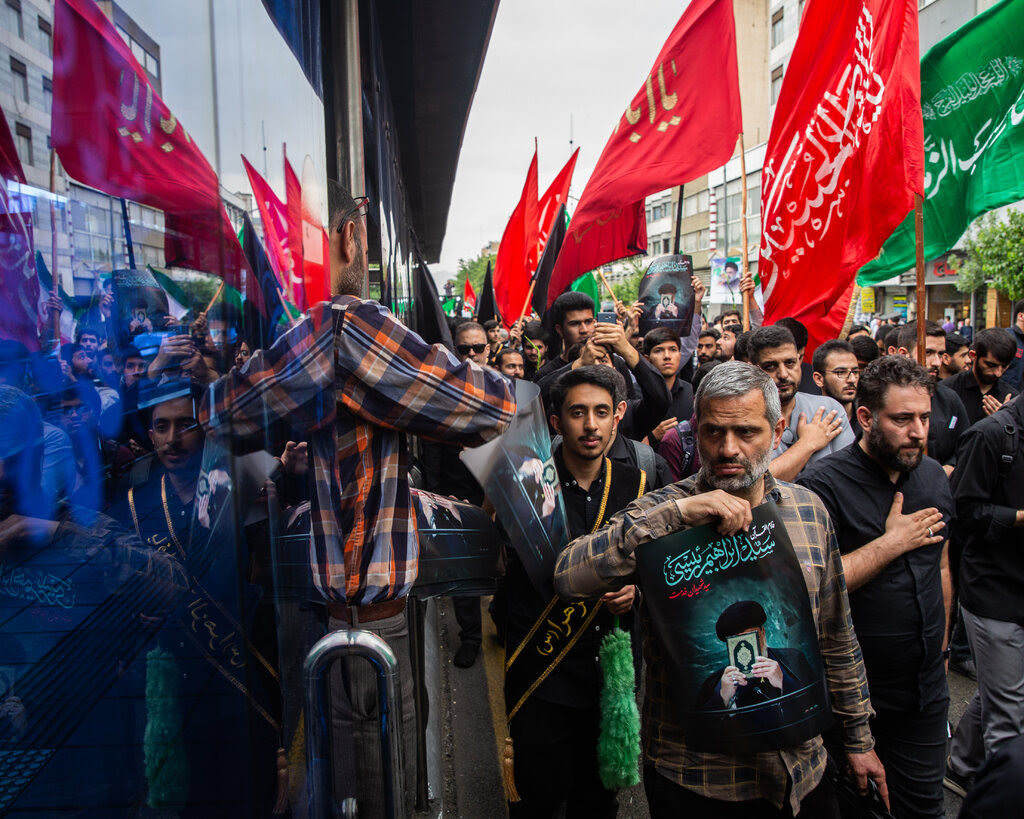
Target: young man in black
(982, 388)
(891, 505)
(555, 728)
(661, 348)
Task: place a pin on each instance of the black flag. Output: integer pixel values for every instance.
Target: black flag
(486, 306)
(261, 323)
(431, 322)
(547, 261)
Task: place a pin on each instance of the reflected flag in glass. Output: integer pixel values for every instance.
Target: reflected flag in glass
(113, 132)
(19, 287)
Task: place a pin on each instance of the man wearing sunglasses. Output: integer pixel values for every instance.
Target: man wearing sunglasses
(471, 343)
(358, 382)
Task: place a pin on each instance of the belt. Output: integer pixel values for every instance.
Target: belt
(366, 614)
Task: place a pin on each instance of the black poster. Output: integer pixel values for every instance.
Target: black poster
(460, 549)
(734, 616)
(518, 475)
(667, 295)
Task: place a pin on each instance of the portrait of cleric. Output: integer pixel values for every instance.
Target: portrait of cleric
(754, 672)
(667, 295)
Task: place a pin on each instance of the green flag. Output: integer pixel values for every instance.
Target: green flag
(588, 284)
(972, 98)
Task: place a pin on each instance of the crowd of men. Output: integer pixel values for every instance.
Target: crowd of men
(901, 487)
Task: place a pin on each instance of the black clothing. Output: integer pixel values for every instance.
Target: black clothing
(796, 673)
(445, 474)
(642, 414)
(620, 365)
(807, 379)
(987, 499)
(967, 389)
(556, 762)
(996, 790)
(948, 423)
(1014, 375)
(681, 407)
(900, 615)
(576, 682)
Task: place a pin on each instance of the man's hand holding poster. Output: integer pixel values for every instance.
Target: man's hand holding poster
(734, 615)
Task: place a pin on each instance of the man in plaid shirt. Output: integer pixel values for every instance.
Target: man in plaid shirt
(739, 422)
(359, 381)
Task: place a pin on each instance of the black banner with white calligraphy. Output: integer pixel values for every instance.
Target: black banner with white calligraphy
(735, 619)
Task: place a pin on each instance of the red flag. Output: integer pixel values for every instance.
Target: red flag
(113, 132)
(517, 253)
(468, 295)
(293, 196)
(274, 217)
(682, 123)
(555, 196)
(844, 158)
(19, 294)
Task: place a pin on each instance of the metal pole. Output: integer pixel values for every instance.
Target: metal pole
(353, 99)
(919, 296)
(127, 233)
(679, 222)
(341, 645)
(743, 229)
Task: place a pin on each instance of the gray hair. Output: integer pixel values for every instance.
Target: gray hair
(736, 378)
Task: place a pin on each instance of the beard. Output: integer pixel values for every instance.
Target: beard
(755, 469)
(893, 457)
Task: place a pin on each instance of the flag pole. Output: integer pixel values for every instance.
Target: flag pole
(127, 233)
(610, 291)
(743, 230)
(679, 222)
(526, 304)
(215, 297)
(54, 276)
(919, 297)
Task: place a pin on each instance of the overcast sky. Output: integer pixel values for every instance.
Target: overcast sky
(546, 61)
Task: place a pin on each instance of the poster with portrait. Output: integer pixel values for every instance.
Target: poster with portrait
(141, 310)
(519, 477)
(735, 619)
(725, 280)
(460, 548)
(667, 294)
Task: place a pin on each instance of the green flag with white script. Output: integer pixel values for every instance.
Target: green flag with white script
(972, 99)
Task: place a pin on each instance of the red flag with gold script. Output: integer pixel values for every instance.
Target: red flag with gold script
(274, 217)
(517, 254)
(19, 284)
(554, 197)
(682, 123)
(293, 199)
(113, 132)
(844, 159)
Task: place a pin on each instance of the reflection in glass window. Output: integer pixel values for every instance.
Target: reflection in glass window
(23, 135)
(19, 75)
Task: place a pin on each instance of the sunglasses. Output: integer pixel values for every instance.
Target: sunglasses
(362, 207)
(465, 349)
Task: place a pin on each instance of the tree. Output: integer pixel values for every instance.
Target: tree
(628, 289)
(475, 270)
(995, 255)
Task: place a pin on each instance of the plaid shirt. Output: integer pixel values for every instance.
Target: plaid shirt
(596, 563)
(357, 379)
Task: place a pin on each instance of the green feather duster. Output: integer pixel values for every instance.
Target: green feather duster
(166, 766)
(618, 747)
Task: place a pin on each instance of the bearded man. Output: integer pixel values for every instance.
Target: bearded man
(891, 507)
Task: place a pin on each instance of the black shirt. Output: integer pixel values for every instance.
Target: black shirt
(576, 682)
(948, 422)
(969, 392)
(988, 496)
(899, 616)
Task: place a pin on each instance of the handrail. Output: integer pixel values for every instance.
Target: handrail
(340, 645)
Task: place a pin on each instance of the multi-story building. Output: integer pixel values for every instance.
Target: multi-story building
(90, 224)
